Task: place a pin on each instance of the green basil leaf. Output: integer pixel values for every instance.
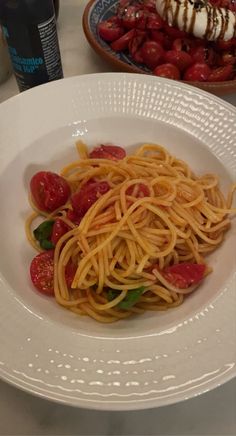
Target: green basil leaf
(44, 230)
(131, 298)
(46, 244)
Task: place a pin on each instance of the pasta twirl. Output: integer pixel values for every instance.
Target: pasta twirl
(141, 244)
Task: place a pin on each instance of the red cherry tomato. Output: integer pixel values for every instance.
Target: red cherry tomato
(167, 70)
(74, 217)
(198, 72)
(59, 229)
(202, 54)
(138, 57)
(49, 190)
(221, 74)
(110, 30)
(41, 272)
(89, 193)
(228, 57)
(154, 21)
(226, 4)
(123, 42)
(158, 36)
(184, 275)
(152, 53)
(150, 5)
(226, 45)
(128, 16)
(180, 59)
(136, 42)
(174, 32)
(182, 44)
(141, 19)
(111, 152)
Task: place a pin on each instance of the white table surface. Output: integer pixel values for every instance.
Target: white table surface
(213, 413)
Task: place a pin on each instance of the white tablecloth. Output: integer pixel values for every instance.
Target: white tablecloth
(213, 413)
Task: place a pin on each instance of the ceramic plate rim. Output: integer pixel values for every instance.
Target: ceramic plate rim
(19, 380)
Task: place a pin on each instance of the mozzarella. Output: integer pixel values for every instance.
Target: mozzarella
(199, 18)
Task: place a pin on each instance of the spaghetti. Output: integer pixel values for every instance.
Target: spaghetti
(142, 243)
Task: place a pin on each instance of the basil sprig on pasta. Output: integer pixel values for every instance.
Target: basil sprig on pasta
(131, 298)
(42, 234)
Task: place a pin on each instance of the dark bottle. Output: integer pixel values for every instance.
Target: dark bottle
(31, 34)
(56, 7)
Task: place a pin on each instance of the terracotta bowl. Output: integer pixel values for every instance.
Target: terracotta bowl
(99, 10)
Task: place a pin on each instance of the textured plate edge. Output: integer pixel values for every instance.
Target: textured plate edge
(142, 404)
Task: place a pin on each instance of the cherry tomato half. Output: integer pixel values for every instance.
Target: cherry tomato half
(182, 44)
(167, 70)
(128, 16)
(41, 272)
(202, 54)
(181, 59)
(221, 74)
(89, 193)
(49, 190)
(154, 21)
(109, 30)
(152, 53)
(59, 229)
(136, 42)
(111, 152)
(174, 32)
(198, 72)
(184, 275)
(122, 43)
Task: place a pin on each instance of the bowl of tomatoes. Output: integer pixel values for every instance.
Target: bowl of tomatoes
(132, 37)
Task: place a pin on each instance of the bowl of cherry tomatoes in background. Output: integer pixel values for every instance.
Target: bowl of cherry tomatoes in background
(132, 37)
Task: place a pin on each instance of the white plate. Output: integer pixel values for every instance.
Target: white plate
(151, 360)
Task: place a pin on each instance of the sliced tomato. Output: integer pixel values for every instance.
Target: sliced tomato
(49, 190)
(226, 45)
(152, 53)
(154, 21)
(226, 4)
(128, 16)
(199, 72)
(59, 229)
(123, 42)
(136, 42)
(110, 30)
(181, 59)
(167, 70)
(174, 32)
(221, 74)
(141, 19)
(184, 275)
(138, 57)
(228, 57)
(182, 44)
(149, 5)
(203, 54)
(109, 151)
(41, 272)
(74, 217)
(89, 193)
(158, 36)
